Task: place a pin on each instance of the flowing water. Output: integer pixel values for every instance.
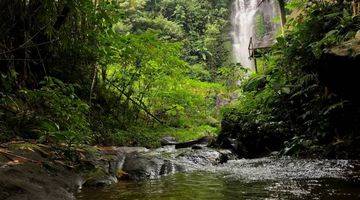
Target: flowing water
(245, 179)
(242, 20)
(244, 27)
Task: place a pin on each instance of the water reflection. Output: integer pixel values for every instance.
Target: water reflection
(245, 179)
(202, 186)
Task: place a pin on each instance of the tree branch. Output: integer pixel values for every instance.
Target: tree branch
(135, 102)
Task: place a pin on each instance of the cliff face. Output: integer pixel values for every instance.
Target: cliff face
(269, 11)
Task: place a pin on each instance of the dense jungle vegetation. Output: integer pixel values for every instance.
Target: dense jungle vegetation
(129, 72)
(303, 102)
(113, 72)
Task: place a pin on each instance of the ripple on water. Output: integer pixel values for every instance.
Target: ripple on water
(245, 179)
(277, 169)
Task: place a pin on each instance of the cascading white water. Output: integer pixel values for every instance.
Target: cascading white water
(244, 26)
(242, 20)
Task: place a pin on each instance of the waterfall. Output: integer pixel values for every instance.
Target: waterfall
(245, 26)
(242, 20)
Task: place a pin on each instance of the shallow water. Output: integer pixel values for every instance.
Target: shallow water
(245, 179)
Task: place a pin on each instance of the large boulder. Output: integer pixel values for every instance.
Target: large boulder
(28, 172)
(168, 140)
(168, 160)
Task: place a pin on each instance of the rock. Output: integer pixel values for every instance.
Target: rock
(357, 35)
(39, 172)
(28, 171)
(207, 140)
(199, 158)
(98, 167)
(152, 164)
(275, 153)
(198, 146)
(226, 155)
(227, 143)
(99, 177)
(339, 69)
(168, 141)
(142, 167)
(350, 48)
(101, 181)
(128, 150)
(165, 150)
(31, 181)
(168, 160)
(169, 168)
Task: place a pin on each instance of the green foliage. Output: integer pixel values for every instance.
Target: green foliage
(260, 26)
(136, 63)
(168, 30)
(51, 113)
(199, 72)
(296, 4)
(150, 137)
(232, 75)
(203, 24)
(145, 67)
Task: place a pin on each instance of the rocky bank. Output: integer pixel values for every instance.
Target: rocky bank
(42, 172)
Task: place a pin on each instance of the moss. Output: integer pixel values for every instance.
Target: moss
(260, 25)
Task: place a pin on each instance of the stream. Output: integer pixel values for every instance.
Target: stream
(265, 178)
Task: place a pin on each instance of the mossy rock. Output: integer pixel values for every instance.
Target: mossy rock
(350, 48)
(99, 178)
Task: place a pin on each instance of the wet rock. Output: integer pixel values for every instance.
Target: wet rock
(206, 141)
(128, 150)
(99, 177)
(275, 153)
(226, 155)
(101, 181)
(35, 171)
(142, 167)
(201, 157)
(198, 146)
(168, 141)
(227, 142)
(168, 160)
(31, 181)
(169, 168)
(43, 178)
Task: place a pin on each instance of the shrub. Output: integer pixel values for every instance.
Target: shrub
(51, 113)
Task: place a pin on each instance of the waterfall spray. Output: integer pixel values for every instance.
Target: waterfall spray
(242, 20)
